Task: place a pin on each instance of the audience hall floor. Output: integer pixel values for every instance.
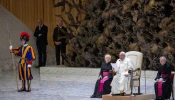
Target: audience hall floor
(43, 89)
(56, 88)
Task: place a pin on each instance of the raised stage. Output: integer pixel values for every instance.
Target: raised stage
(128, 97)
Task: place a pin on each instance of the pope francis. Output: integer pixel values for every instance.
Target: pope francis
(121, 81)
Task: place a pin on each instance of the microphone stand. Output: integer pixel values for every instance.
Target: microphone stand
(145, 78)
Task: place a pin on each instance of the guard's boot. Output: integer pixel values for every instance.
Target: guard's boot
(23, 87)
(28, 88)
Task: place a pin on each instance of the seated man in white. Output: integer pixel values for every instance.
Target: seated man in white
(121, 81)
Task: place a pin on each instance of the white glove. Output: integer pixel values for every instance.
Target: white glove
(39, 35)
(29, 66)
(11, 47)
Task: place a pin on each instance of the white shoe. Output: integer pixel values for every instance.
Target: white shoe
(111, 93)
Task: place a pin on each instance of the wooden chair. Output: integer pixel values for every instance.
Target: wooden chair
(172, 78)
(137, 59)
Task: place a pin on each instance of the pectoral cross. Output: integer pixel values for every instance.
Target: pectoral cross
(39, 27)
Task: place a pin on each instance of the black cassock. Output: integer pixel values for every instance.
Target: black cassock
(164, 72)
(105, 67)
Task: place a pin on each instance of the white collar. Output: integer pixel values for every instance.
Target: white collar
(25, 45)
(123, 59)
(42, 25)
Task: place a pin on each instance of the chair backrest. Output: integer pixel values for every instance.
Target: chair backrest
(137, 59)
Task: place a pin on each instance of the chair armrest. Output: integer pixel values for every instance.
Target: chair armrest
(113, 72)
(130, 71)
(135, 77)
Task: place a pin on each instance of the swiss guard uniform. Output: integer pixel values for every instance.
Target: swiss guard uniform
(27, 55)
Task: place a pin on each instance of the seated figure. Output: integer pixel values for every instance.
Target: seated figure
(102, 85)
(163, 82)
(121, 81)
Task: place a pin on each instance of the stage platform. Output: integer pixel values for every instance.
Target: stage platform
(128, 97)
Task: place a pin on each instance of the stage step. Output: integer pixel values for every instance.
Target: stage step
(136, 97)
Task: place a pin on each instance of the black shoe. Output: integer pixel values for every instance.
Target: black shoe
(99, 95)
(121, 94)
(22, 89)
(38, 66)
(115, 94)
(93, 96)
(28, 90)
(43, 65)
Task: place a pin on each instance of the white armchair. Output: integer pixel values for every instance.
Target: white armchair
(137, 58)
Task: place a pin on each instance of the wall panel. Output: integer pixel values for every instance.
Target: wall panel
(29, 11)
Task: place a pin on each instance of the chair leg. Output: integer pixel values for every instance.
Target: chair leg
(138, 89)
(131, 86)
(131, 89)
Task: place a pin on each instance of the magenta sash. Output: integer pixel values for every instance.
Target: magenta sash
(160, 86)
(105, 74)
(102, 81)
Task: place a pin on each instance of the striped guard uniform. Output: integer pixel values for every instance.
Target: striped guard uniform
(27, 55)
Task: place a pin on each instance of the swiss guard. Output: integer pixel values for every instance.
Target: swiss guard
(27, 55)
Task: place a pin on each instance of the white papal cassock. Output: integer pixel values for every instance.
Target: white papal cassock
(121, 83)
